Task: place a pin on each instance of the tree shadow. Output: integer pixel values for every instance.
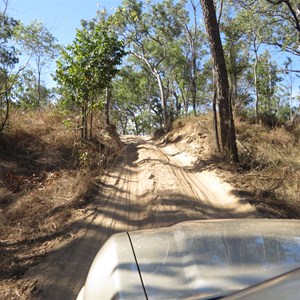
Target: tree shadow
(111, 213)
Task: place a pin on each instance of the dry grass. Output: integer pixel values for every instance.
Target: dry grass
(270, 161)
(46, 181)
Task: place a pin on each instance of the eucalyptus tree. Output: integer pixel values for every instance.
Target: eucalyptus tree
(8, 59)
(285, 15)
(289, 90)
(228, 138)
(282, 20)
(87, 66)
(149, 29)
(185, 63)
(264, 24)
(177, 79)
(193, 38)
(41, 46)
(193, 47)
(237, 55)
(268, 79)
(24, 90)
(256, 29)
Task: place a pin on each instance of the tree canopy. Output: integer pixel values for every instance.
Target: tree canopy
(88, 65)
(149, 62)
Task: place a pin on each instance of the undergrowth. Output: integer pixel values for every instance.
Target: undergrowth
(46, 181)
(270, 168)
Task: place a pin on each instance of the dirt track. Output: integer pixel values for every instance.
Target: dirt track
(154, 186)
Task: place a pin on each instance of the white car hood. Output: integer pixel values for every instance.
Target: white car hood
(193, 260)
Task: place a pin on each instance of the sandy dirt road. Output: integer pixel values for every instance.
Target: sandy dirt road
(153, 186)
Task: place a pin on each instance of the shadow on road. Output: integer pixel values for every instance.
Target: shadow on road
(130, 197)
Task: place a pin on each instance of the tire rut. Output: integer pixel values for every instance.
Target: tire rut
(150, 188)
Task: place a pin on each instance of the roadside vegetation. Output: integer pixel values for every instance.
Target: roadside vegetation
(46, 181)
(268, 173)
(270, 168)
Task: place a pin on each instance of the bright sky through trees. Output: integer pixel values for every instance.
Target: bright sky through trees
(62, 17)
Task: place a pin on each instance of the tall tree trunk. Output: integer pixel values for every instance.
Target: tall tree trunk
(214, 106)
(107, 105)
(6, 113)
(91, 118)
(84, 122)
(194, 83)
(177, 104)
(38, 100)
(228, 138)
(163, 99)
(256, 88)
(192, 38)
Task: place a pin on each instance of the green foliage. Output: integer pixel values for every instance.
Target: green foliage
(8, 55)
(37, 41)
(41, 46)
(284, 21)
(87, 66)
(267, 81)
(135, 109)
(24, 91)
(251, 27)
(150, 29)
(8, 59)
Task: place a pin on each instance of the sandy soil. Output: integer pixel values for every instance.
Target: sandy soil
(153, 186)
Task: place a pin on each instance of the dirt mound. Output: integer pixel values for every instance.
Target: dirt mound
(193, 135)
(269, 169)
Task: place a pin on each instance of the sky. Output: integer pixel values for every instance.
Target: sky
(62, 17)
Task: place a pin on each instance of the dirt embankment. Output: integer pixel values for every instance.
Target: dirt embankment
(46, 181)
(153, 186)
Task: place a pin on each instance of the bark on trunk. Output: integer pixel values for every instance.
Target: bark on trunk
(228, 139)
(107, 105)
(214, 106)
(163, 99)
(256, 88)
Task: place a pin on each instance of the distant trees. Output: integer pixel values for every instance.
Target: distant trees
(19, 84)
(255, 26)
(8, 59)
(169, 71)
(150, 31)
(25, 90)
(166, 41)
(41, 46)
(136, 104)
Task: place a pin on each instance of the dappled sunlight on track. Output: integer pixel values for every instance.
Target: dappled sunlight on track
(150, 187)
